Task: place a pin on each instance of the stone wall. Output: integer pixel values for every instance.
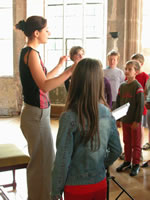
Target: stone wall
(116, 23)
(11, 98)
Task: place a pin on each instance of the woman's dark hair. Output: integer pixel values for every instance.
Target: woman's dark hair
(85, 92)
(31, 24)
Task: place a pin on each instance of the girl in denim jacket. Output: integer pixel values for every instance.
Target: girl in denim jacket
(87, 141)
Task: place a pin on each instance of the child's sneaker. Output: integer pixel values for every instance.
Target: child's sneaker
(123, 166)
(146, 164)
(146, 146)
(135, 170)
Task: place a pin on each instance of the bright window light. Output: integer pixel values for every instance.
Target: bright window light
(73, 23)
(145, 29)
(6, 38)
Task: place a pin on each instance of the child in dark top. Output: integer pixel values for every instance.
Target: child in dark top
(142, 78)
(76, 53)
(131, 91)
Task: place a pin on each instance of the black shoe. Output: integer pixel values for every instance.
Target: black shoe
(146, 164)
(123, 166)
(135, 170)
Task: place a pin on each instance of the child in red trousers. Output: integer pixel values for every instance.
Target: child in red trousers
(131, 91)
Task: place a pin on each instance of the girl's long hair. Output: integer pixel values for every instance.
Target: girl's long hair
(85, 92)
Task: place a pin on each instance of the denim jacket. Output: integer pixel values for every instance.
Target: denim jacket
(75, 163)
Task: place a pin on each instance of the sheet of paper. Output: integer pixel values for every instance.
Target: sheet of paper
(121, 111)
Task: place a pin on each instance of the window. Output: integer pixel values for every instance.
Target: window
(146, 18)
(76, 22)
(6, 38)
(145, 36)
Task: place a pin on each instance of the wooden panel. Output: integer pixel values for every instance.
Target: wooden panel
(56, 110)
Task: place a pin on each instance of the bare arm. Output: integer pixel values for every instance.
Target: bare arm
(54, 71)
(44, 83)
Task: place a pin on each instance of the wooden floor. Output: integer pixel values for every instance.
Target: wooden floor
(138, 187)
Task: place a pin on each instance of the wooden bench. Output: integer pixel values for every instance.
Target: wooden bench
(12, 158)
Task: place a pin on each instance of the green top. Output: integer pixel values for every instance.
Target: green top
(134, 94)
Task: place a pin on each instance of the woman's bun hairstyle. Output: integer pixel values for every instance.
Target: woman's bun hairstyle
(21, 25)
(31, 24)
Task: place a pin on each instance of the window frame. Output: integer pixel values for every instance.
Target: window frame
(102, 38)
(8, 5)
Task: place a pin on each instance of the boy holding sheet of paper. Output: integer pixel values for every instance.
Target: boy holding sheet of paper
(131, 91)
